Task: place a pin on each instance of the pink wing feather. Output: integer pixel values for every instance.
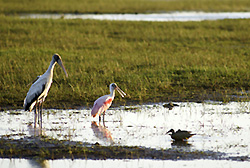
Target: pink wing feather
(101, 105)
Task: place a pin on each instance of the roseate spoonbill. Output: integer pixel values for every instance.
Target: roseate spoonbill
(104, 102)
(39, 89)
(180, 135)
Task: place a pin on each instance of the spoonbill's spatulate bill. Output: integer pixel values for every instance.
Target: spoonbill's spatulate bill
(39, 89)
(104, 102)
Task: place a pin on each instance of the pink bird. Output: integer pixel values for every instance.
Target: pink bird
(104, 102)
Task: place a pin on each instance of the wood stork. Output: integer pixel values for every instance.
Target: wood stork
(39, 89)
(104, 102)
(180, 135)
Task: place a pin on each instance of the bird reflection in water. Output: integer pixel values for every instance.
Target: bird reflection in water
(34, 131)
(41, 163)
(180, 144)
(101, 132)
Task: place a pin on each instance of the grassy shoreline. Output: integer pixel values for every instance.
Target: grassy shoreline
(121, 6)
(150, 61)
(49, 148)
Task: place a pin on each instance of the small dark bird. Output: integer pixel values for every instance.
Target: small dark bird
(180, 135)
(170, 105)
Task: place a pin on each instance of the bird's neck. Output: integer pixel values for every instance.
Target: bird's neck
(51, 68)
(112, 93)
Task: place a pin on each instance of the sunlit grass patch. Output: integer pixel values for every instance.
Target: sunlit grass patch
(150, 61)
(121, 6)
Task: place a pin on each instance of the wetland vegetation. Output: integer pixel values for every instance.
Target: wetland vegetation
(49, 148)
(189, 61)
(151, 61)
(121, 6)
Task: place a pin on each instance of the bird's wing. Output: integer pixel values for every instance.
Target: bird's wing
(181, 135)
(183, 131)
(101, 105)
(34, 80)
(34, 92)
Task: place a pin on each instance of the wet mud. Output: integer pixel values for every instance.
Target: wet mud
(48, 148)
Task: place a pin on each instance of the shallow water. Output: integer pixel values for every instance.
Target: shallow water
(218, 127)
(141, 163)
(161, 17)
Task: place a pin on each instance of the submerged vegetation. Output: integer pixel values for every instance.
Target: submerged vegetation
(150, 61)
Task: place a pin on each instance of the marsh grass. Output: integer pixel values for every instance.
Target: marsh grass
(48, 148)
(121, 6)
(150, 61)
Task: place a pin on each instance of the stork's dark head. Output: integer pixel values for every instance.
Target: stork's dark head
(57, 58)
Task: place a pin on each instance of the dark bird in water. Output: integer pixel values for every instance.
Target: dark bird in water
(40, 88)
(180, 135)
(170, 105)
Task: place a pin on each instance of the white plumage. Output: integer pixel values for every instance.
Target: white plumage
(40, 88)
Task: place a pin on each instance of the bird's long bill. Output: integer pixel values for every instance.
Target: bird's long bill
(168, 132)
(61, 64)
(120, 91)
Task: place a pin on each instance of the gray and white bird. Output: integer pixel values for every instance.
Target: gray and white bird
(40, 88)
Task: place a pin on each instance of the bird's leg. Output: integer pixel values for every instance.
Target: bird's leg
(100, 118)
(35, 116)
(103, 122)
(41, 114)
(103, 117)
(38, 114)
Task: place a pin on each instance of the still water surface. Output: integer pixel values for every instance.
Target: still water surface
(161, 17)
(141, 163)
(219, 128)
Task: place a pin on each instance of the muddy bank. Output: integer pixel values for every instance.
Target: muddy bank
(48, 148)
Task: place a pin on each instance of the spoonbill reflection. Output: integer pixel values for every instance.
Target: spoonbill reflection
(101, 132)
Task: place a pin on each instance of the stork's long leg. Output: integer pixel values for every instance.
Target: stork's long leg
(41, 115)
(35, 116)
(38, 114)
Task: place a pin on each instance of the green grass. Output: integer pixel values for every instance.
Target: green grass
(150, 61)
(120, 6)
